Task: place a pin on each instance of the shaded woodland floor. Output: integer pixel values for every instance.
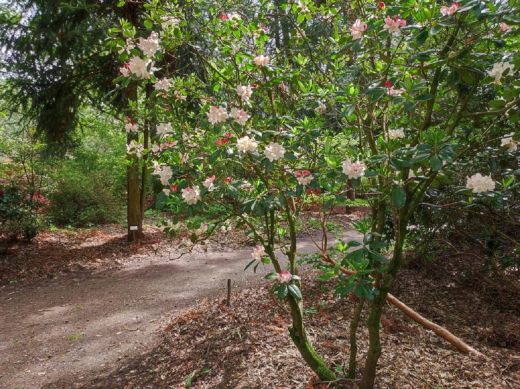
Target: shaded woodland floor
(88, 310)
(247, 345)
(83, 323)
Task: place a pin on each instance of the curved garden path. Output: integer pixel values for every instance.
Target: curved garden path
(81, 325)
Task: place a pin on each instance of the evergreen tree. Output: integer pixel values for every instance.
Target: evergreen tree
(53, 61)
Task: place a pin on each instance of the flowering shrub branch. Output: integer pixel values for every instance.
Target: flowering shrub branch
(379, 98)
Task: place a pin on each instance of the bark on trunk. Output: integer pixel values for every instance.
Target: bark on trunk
(351, 194)
(302, 342)
(354, 323)
(374, 348)
(144, 168)
(134, 219)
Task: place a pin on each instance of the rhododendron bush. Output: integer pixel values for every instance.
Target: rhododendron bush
(296, 101)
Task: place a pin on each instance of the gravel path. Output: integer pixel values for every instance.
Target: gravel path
(81, 326)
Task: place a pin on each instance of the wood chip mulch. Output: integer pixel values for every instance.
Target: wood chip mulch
(54, 253)
(247, 345)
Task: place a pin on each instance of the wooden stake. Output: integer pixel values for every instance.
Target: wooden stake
(228, 301)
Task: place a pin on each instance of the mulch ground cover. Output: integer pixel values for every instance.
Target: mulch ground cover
(247, 345)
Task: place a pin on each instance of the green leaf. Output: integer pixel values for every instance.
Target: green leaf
(295, 291)
(148, 24)
(436, 163)
(282, 291)
(377, 256)
(356, 255)
(398, 197)
(469, 76)
(422, 36)
(376, 93)
(424, 97)
(271, 276)
(364, 291)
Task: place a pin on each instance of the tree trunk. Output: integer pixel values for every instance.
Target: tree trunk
(149, 122)
(133, 202)
(133, 205)
(133, 210)
(351, 194)
(354, 323)
(302, 342)
(374, 348)
(383, 284)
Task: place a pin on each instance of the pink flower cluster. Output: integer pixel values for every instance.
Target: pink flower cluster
(358, 29)
(304, 177)
(394, 25)
(284, 277)
(225, 139)
(451, 10)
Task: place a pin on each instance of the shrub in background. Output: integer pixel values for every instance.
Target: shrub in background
(82, 200)
(88, 186)
(19, 214)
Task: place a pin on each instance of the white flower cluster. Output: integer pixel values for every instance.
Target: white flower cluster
(131, 127)
(274, 151)
(163, 171)
(218, 115)
(142, 67)
(396, 134)
(498, 70)
(239, 115)
(244, 92)
(134, 148)
(509, 143)
(358, 29)
(162, 85)
(191, 195)
(246, 145)
(149, 46)
(480, 184)
(169, 22)
(209, 183)
(138, 67)
(164, 129)
(261, 60)
(353, 170)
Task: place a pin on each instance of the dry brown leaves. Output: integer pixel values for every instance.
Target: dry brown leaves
(53, 253)
(247, 345)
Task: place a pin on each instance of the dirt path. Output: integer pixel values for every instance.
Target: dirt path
(80, 326)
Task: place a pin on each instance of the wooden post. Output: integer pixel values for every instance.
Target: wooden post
(228, 301)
